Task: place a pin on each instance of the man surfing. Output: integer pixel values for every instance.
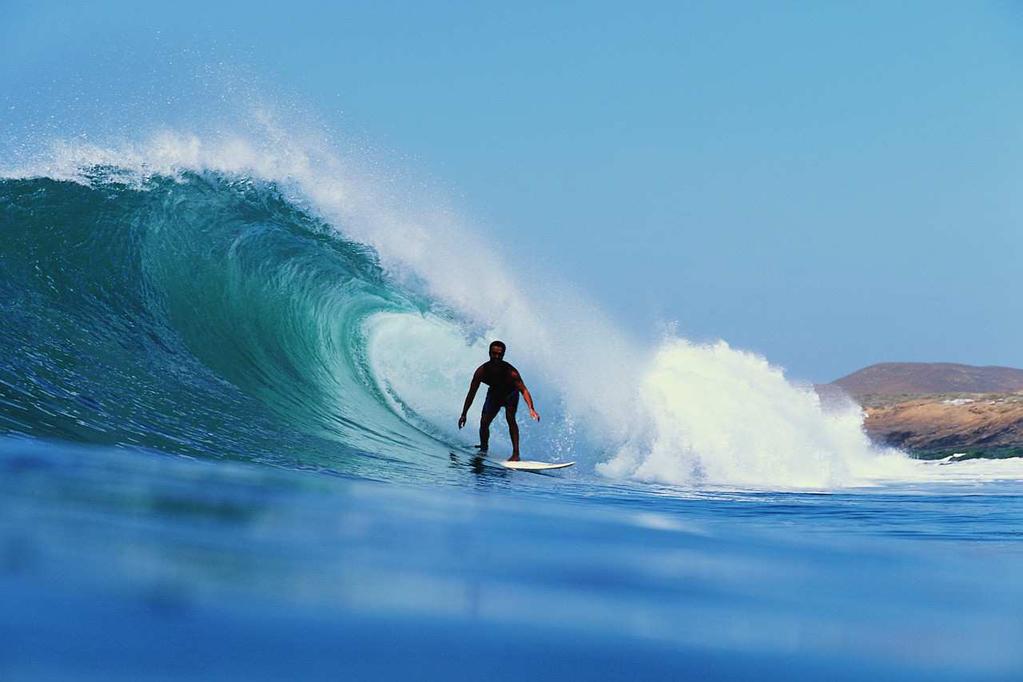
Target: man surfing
(505, 384)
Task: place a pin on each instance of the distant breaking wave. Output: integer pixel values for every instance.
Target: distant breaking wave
(219, 301)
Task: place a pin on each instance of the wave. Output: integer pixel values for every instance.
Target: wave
(200, 314)
(223, 300)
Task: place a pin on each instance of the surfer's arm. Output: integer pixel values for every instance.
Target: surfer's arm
(521, 385)
(470, 396)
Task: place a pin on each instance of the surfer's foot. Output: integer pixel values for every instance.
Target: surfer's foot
(483, 449)
(513, 458)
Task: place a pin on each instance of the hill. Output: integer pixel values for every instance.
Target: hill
(900, 378)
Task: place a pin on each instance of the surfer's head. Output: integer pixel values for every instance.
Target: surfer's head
(497, 349)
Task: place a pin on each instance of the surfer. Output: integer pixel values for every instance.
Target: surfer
(505, 384)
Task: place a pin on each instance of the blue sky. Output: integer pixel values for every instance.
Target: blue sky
(829, 184)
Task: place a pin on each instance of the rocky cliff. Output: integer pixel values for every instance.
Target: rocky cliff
(940, 409)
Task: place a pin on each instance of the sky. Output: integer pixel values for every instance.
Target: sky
(828, 184)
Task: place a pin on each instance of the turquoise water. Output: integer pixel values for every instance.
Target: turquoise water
(221, 456)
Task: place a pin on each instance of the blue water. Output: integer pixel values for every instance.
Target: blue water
(206, 471)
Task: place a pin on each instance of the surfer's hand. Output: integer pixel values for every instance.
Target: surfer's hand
(461, 421)
(534, 415)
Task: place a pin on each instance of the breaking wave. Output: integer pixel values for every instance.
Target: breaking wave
(215, 299)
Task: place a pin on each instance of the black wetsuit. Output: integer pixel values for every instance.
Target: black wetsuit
(503, 380)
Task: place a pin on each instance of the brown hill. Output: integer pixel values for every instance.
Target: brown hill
(900, 378)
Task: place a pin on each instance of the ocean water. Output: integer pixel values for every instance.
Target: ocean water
(229, 381)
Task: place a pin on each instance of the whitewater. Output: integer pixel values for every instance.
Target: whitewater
(230, 372)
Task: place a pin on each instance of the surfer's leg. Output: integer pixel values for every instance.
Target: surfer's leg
(513, 426)
(491, 406)
(485, 420)
(513, 431)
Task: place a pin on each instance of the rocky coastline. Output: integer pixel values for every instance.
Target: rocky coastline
(904, 410)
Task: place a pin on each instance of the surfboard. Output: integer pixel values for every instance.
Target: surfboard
(526, 465)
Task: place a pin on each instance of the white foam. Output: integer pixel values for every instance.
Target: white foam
(713, 414)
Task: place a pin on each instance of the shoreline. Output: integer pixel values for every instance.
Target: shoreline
(939, 425)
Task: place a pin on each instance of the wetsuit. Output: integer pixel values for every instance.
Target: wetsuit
(503, 381)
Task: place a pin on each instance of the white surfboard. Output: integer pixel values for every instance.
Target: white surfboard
(526, 465)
